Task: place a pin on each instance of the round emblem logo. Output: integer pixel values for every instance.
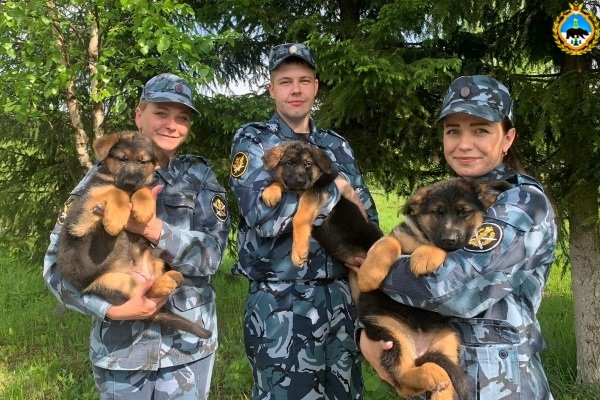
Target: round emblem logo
(179, 88)
(576, 31)
(239, 165)
(487, 237)
(219, 207)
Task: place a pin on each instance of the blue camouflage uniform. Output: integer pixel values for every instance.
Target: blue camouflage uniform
(192, 206)
(299, 322)
(493, 287)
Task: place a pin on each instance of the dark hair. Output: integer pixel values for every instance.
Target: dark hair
(512, 157)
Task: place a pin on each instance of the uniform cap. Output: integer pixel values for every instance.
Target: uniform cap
(168, 88)
(282, 52)
(478, 95)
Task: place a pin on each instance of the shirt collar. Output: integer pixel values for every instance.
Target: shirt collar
(277, 125)
(501, 172)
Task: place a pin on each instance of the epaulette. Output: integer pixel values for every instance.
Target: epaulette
(333, 133)
(259, 125)
(194, 158)
(525, 180)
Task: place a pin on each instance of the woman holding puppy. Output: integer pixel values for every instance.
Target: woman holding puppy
(493, 287)
(131, 357)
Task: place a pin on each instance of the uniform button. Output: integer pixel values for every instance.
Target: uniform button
(503, 354)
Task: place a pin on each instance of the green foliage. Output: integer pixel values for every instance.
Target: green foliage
(66, 61)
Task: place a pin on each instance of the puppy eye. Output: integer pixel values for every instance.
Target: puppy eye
(308, 164)
(438, 211)
(122, 159)
(464, 213)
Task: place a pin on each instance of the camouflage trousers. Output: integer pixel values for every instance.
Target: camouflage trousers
(299, 339)
(183, 382)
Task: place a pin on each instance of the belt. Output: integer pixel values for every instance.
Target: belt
(312, 282)
(198, 280)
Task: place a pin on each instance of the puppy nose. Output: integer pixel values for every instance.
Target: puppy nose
(300, 180)
(450, 241)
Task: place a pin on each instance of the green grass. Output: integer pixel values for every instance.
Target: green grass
(43, 356)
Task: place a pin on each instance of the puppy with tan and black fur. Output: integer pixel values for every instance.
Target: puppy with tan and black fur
(438, 218)
(95, 253)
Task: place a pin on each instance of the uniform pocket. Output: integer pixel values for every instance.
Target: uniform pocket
(489, 353)
(197, 304)
(180, 207)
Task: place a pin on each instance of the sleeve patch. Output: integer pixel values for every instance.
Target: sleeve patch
(219, 207)
(239, 165)
(487, 237)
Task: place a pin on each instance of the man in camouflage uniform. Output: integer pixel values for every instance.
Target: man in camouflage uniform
(493, 287)
(299, 322)
(133, 358)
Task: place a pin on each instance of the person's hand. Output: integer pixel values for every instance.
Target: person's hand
(371, 350)
(138, 306)
(348, 192)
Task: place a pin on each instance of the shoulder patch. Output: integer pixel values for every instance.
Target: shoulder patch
(239, 165)
(219, 207)
(487, 237)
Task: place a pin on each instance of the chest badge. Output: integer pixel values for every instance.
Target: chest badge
(487, 237)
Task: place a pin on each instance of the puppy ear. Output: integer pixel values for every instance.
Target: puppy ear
(103, 144)
(489, 191)
(272, 156)
(323, 161)
(414, 203)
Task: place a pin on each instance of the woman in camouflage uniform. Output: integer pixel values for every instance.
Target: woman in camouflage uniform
(133, 358)
(493, 287)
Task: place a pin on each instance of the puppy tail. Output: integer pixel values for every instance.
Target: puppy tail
(457, 376)
(175, 321)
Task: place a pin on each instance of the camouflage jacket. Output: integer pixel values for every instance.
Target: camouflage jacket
(265, 234)
(493, 287)
(192, 206)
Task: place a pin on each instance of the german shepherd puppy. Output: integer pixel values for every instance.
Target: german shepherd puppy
(95, 253)
(300, 167)
(438, 218)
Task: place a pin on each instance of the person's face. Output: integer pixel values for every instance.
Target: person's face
(293, 87)
(167, 124)
(474, 146)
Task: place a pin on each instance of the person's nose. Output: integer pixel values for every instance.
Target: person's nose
(296, 88)
(171, 123)
(465, 142)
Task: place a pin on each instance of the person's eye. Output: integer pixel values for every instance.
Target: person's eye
(452, 132)
(481, 131)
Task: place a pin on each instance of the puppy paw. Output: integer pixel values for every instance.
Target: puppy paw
(165, 284)
(299, 255)
(435, 379)
(271, 195)
(143, 205)
(176, 276)
(115, 220)
(370, 276)
(426, 260)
